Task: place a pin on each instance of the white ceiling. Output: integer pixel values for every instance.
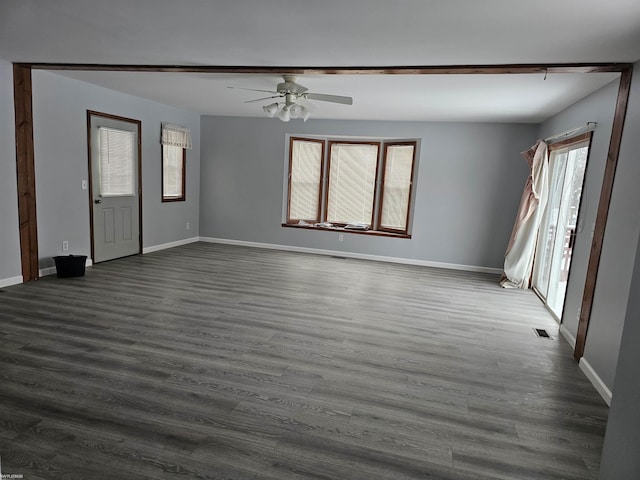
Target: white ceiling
(500, 98)
(334, 33)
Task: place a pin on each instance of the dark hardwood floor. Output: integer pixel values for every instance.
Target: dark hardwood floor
(223, 362)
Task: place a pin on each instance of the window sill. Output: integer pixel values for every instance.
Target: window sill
(376, 233)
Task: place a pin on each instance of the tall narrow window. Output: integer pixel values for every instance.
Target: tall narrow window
(396, 186)
(175, 141)
(116, 162)
(305, 176)
(173, 173)
(352, 182)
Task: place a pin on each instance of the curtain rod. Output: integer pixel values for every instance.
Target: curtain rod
(574, 131)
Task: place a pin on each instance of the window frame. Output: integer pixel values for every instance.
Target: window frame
(327, 179)
(290, 220)
(182, 197)
(379, 226)
(375, 229)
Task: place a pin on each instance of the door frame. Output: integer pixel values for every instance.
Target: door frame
(138, 124)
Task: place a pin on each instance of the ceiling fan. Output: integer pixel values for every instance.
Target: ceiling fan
(296, 98)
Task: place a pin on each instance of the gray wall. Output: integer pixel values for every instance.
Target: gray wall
(470, 180)
(623, 225)
(618, 249)
(60, 109)
(598, 107)
(9, 236)
(620, 457)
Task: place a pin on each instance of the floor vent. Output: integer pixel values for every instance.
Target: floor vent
(541, 332)
(339, 258)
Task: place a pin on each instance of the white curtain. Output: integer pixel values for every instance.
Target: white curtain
(518, 261)
(175, 135)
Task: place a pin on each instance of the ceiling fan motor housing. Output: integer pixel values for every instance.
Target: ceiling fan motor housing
(289, 86)
(290, 99)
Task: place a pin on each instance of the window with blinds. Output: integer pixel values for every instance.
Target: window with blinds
(336, 187)
(173, 173)
(352, 182)
(305, 176)
(117, 156)
(396, 186)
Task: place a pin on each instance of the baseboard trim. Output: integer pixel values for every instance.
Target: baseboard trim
(596, 381)
(164, 246)
(359, 256)
(7, 282)
(43, 272)
(566, 334)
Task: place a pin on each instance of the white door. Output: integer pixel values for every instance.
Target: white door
(115, 191)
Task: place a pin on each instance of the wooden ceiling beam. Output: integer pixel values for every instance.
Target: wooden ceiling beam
(343, 70)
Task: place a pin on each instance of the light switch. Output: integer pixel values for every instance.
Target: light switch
(85, 185)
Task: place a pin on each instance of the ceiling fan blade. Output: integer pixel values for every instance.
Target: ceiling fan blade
(262, 99)
(321, 97)
(253, 90)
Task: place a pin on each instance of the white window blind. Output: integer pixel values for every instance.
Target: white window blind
(352, 181)
(172, 172)
(304, 183)
(396, 188)
(117, 156)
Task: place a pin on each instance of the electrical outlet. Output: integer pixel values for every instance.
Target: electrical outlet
(188, 225)
(340, 237)
(65, 245)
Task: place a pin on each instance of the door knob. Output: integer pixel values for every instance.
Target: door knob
(97, 200)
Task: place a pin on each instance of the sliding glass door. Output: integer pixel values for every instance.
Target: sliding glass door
(567, 165)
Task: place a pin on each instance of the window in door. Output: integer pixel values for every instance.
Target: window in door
(116, 165)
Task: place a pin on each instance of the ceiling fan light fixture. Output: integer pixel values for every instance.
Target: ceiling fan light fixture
(284, 114)
(295, 110)
(300, 111)
(271, 109)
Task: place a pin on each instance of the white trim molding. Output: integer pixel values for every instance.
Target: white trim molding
(566, 334)
(164, 246)
(7, 282)
(360, 256)
(595, 379)
(44, 272)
